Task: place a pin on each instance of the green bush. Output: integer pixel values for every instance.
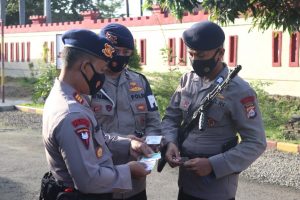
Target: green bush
(276, 110)
(44, 83)
(163, 86)
(135, 60)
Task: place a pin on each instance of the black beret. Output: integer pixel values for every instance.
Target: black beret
(89, 42)
(118, 34)
(204, 36)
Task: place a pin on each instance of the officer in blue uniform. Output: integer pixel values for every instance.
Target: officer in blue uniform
(125, 105)
(78, 152)
(212, 168)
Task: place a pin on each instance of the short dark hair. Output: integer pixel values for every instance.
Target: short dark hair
(71, 55)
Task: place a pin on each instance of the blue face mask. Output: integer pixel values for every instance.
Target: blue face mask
(96, 82)
(204, 67)
(118, 63)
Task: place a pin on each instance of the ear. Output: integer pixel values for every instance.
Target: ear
(84, 66)
(222, 51)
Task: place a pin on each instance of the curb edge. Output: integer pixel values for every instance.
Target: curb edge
(280, 146)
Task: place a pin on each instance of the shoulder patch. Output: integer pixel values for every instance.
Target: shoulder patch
(249, 106)
(81, 126)
(84, 135)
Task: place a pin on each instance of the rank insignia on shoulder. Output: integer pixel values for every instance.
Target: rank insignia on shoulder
(84, 135)
(99, 152)
(249, 106)
(134, 87)
(78, 98)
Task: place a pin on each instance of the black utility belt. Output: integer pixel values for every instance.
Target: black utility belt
(76, 195)
(104, 196)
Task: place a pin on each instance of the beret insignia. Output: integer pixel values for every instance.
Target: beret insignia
(108, 50)
(111, 38)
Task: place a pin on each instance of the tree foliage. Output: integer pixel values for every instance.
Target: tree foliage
(108, 8)
(278, 14)
(33, 7)
(61, 10)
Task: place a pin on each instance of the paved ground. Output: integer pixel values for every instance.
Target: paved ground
(22, 164)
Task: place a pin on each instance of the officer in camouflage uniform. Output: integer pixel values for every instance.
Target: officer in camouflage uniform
(211, 170)
(125, 104)
(79, 154)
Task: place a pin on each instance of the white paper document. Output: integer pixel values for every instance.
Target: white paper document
(151, 161)
(153, 139)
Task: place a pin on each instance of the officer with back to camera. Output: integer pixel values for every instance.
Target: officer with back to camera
(213, 156)
(125, 104)
(78, 152)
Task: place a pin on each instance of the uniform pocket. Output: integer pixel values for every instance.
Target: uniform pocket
(215, 116)
(139, 109)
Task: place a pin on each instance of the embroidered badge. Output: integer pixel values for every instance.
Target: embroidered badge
(97, 108)
(108, 108)
(210, 122)
(133, 87)
(84, 135)
(249, 106)
(81, 121)
(137, 96)
(108, 50)
(78, 98)
(99, 152)
(140, 107)
(112, 38)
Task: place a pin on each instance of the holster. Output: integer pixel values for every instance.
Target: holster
(55, 190)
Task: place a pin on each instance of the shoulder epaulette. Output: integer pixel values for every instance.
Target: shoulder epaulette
(142, 75)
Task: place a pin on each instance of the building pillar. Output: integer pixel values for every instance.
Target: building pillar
(47, 10)
(3, 11)
(22, 12)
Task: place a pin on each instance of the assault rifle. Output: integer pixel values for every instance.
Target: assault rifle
(200, 115)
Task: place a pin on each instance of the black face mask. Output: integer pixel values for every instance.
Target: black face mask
(118, 63)
(96, 82)
(204, 67)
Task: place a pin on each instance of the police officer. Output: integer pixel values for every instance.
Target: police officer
(211, 171)
(79, 154)
(125, 104)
